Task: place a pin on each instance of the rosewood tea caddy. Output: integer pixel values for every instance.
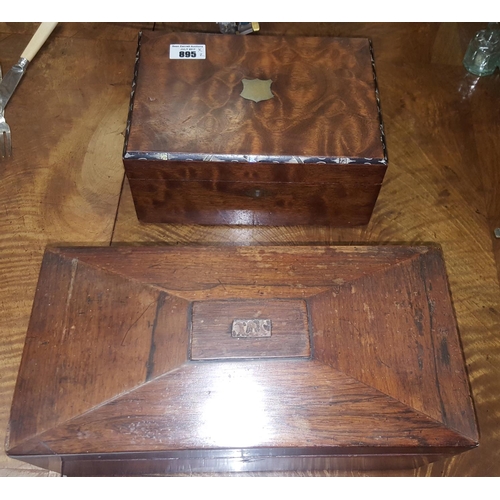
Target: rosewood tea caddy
(170, 360)
(255, 130)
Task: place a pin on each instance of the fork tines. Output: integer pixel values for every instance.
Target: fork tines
(5, 140)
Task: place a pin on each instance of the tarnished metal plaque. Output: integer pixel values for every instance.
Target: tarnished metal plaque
(257, 90)
(251, 328)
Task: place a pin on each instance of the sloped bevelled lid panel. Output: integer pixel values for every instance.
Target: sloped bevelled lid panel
(134, 349)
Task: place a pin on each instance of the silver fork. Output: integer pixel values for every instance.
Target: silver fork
(5, 141)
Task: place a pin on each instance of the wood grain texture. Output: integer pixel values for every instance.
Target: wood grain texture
(249, 194)
(272, 267)
(90, 31)
(218, 400)
(441, 186)
(366, 319)
(301, 465)
(434, 191)
(324, 110)
(66, 116)
(126, 316)
(324, 97)
(312, 388)
(212, 327)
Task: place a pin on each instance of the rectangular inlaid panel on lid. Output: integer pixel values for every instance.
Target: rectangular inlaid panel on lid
(162, 360)
(259, 130)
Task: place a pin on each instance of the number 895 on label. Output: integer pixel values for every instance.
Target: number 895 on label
(178, 51)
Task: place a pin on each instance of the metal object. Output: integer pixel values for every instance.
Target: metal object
(246, 28)
(5, 140)
(4, 131)
(251, 328)
(11, 80)
(257, 90)
(228, 28)
(7, 87)
(497, 232)
(238, 28)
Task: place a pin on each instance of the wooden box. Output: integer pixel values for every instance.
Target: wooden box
(167, 360)
(201, 147)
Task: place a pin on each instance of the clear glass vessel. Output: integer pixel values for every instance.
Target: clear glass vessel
(483, 54)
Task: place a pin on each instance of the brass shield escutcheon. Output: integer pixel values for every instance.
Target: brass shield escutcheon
(257, 90)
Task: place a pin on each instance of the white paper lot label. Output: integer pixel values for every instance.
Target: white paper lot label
(178, 51)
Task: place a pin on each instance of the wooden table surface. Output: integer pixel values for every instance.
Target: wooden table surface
(65, 183)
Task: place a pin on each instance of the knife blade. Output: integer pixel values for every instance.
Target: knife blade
(11, 80)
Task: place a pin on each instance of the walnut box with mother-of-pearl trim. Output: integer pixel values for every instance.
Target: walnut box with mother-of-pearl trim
(254, 130)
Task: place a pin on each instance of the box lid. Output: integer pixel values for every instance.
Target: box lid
(332, 349)
(320, 100)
